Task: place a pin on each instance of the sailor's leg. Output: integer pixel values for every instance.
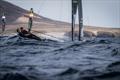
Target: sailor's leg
(3, 27)
(36, 37)
(30, 25)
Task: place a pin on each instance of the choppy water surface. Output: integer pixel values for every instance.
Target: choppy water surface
(96, 59)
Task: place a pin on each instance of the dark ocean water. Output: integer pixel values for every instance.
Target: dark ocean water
(28, 59)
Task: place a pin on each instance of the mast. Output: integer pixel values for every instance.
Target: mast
(74, 10)
(80, 14)
(72, 29)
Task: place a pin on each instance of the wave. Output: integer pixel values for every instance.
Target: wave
(16, 40)
(29, 59)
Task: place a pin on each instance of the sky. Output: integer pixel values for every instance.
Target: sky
(102, 13)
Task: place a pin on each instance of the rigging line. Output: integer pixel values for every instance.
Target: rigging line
(69, 12)
(61, 5)
(42, 5)
(59, 17)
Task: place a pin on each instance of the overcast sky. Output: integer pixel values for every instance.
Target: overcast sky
(105, 13)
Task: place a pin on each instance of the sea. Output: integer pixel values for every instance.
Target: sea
(30, 59)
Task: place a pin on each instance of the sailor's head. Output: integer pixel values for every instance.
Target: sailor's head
(31, 9)
(21, 28)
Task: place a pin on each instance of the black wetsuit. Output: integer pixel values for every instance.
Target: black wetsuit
(26, 34)
(3, 25)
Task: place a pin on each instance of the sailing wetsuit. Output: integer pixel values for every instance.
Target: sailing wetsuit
(3, 23)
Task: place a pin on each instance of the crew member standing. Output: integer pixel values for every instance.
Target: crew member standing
(30, 22)
(3, 22)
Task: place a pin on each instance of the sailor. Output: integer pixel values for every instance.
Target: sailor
(3, 22)
(30, 22)
(24, 33)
